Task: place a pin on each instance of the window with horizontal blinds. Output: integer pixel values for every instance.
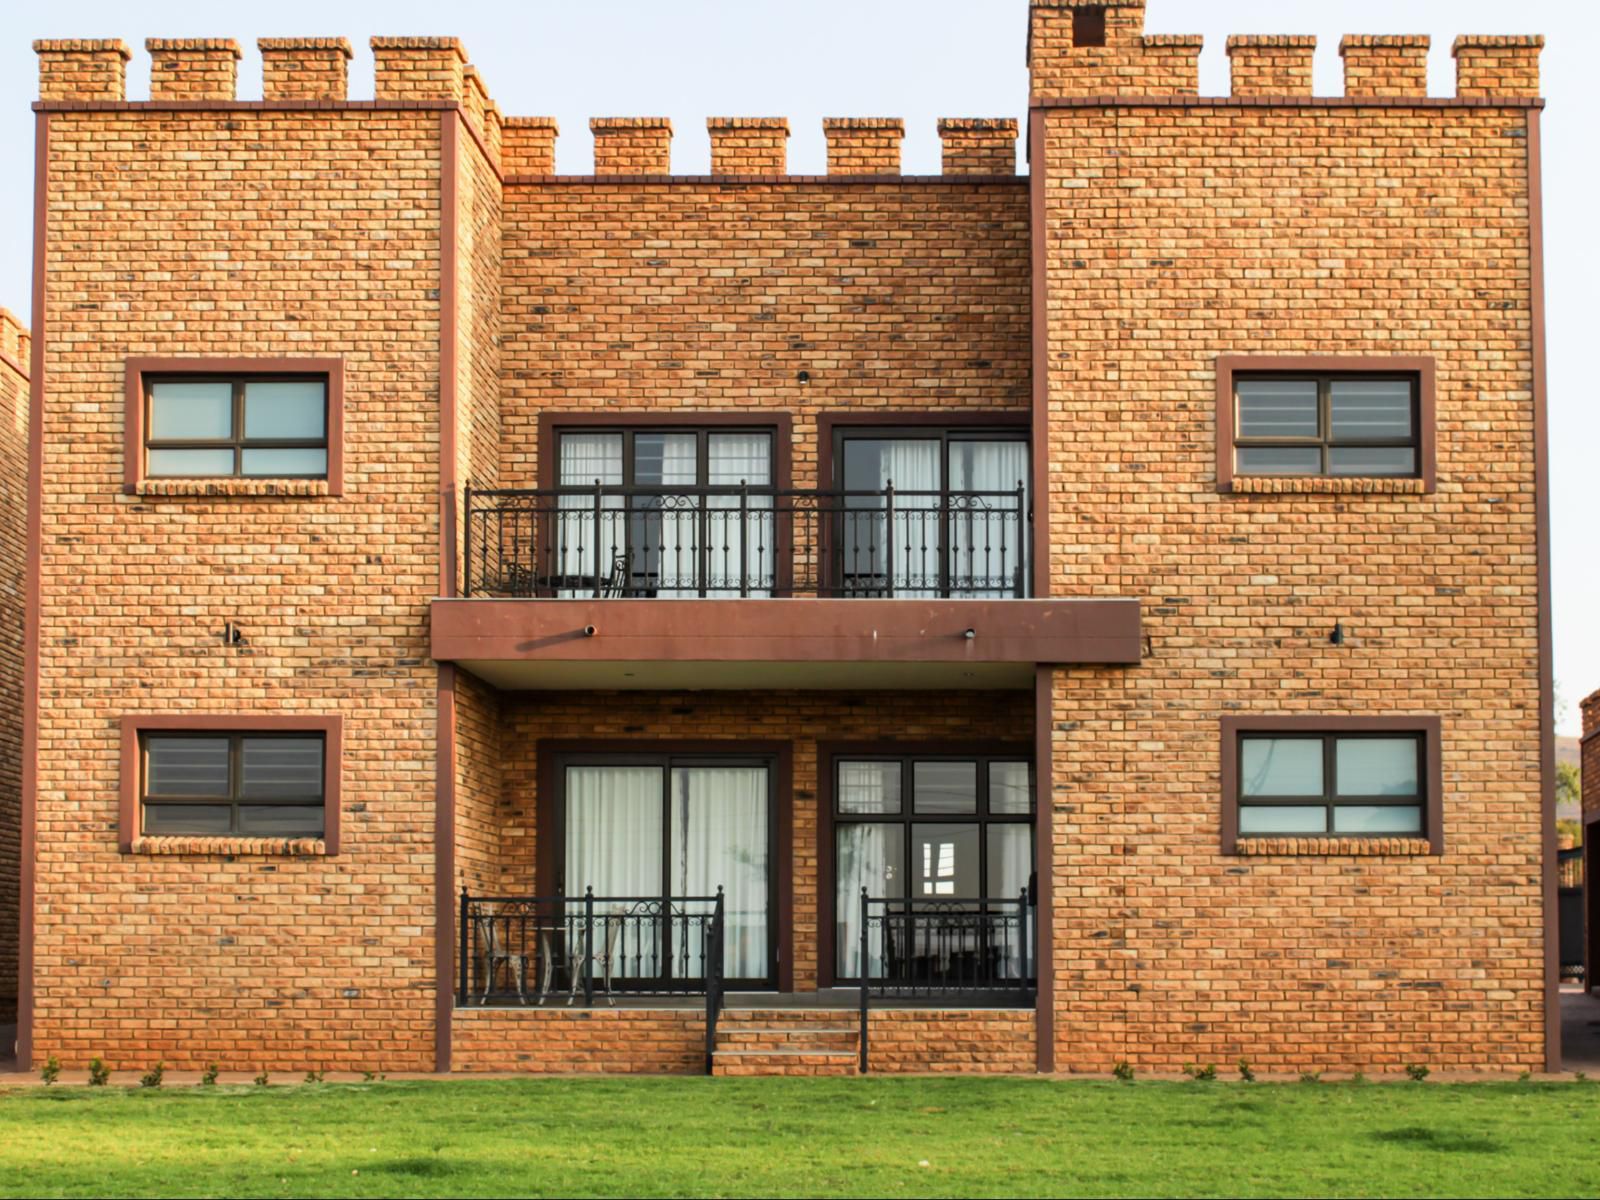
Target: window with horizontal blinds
(1336, 424)
(233, 784)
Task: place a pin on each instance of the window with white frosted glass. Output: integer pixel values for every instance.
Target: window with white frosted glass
(1293, 784)
(236, 427)
(1326, 425)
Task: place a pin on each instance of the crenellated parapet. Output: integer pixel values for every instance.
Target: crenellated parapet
(979, 145)
(82, 68)
(1084, 49)
(749, 145)
(15, 344)
(632, 145)
(864, 145)
(305, 68)
(193, 68)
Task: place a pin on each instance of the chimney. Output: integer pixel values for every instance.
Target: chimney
(1271, 66)
(82, 69)
(632, 145)
(864, 145)
(304, 68)
(979, 146)
(1497, 66)
(1385, 66)
(528, 146)
(749, 145)
(193, 68)
(418, 68)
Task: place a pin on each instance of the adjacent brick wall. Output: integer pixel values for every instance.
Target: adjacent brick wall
(15, 350)
(1591, 756)
(1174, 236)
(327, 241)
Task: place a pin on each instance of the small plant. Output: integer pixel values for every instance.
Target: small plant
(1525, 1077)
(51, 1071)
(313, 1076)
(1579, 1077)
(99, 1073)
(1358, 1077)
(1201, 1074)
(261, 1079)
(1246, 1072)
(1416, 1072)
(152, 1078)
(208, 1077)
(1310, 1076)
(1123, 1071)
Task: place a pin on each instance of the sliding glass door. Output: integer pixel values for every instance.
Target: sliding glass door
(640, 828)
(959, 521)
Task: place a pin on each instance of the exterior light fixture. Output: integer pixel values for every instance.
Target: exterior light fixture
(1337, 636)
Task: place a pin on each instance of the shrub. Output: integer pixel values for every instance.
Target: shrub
(1416, 1072)
(1201, 1074)
(261, 1079)
(208, 1077)
(1310, 1076)
(99, 1073)
(152, 1078)
(1246, 1073)
(51, 1071)
(1123, 1071)
(313, 1076)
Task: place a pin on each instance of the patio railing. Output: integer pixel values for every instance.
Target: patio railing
(567, 949)
(946, 948)
(606, 542)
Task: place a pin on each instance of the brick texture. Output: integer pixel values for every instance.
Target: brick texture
(1591, 756)
(15, 349)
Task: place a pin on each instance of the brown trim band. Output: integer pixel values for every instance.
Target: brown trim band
(1547, 687)
(444, 867)
(21, 372)
(1428, 725)
(827, 753)
(1230, 365)
(627, 181)
(136, 368)
(782, 631)
(28, 850)
(1266, 101)
(1044, 864)
(1039, 332)
(550, 826)
(330, 726)
(1589, 737)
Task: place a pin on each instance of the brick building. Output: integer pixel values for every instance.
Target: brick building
(489, 619)
(1589, 768)
(15, 351)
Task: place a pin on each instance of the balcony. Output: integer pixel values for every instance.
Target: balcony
(625, 587)
(746, 543)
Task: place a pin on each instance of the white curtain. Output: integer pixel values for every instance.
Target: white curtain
(719, 839)
(614, 847)
(988, 535)
(740, 458)
(867, 855)
(912, 466)
(1010, 867)
(586, 458)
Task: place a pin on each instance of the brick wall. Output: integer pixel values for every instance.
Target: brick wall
(630, 297)
(15, 350)
(253, 233)
(1591, 755)
(1174, 235)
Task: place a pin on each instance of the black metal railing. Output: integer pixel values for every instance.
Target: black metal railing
(944, 949)
(733, 542)
(532, 949)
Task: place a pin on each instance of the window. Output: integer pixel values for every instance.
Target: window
(684, 511)
(1089, 26)
(956, 828)
(960, 513)
(1335, 425)
(219, 784)
(239, 426)
(1343, 777)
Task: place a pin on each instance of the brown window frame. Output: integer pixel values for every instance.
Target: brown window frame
(830, 757)
(142, 372)
(135, 728)
(1430, 793)
(239, 442)
(1231, 368)
(702, 432)
(234, 800)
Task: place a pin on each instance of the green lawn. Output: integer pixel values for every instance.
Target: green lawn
(875, 1136)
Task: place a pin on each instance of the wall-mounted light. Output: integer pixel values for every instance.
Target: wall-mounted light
(971, 633)
(589, 631)
(804, 377)
(232, 635)
(1337, 636)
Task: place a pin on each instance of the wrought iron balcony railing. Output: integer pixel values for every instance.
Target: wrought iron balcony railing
(610, 542)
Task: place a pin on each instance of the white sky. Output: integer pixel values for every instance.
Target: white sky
(918, 59)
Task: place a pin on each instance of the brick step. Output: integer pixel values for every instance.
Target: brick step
(784, 1062)
(787, 1039)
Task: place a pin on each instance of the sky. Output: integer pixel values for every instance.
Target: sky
(917, 59)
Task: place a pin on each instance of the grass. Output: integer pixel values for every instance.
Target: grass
(832, 1137)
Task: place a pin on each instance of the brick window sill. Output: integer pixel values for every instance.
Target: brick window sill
(1326, 847)
(1275, 485)
(233, 847)
(232, 487)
